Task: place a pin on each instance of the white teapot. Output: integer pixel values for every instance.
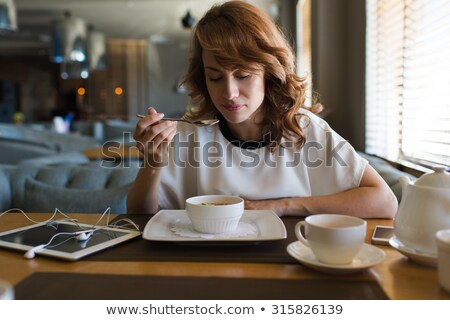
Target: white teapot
(424, 209)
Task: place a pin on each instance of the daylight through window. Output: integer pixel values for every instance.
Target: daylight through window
(408, 80)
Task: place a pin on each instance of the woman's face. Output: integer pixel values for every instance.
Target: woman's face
(236, 94)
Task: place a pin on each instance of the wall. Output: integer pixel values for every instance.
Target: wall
(34, 77)
(167, 63)
(338, 49)
(42, 92)
(126, 69)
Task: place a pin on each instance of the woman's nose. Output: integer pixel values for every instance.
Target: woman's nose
(230, 90)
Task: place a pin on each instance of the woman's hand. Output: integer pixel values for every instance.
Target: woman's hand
(153, 137)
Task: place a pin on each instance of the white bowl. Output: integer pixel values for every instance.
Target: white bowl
(215, 213)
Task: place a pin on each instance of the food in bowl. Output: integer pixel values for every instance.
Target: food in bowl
(215, 213)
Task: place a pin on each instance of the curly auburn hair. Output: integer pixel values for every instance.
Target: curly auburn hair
(245, 38)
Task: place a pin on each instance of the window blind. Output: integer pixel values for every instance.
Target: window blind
(408, 80)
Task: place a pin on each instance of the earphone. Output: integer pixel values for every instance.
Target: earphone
(80, 236)
(83, 236)
(30, 254)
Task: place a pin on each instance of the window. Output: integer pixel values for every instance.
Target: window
(303, 49)
(408, 80)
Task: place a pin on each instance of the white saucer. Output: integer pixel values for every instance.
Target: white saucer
(417, 256)
(367, 257)
(267, 226)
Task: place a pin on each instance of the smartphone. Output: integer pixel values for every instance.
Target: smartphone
(382, 234)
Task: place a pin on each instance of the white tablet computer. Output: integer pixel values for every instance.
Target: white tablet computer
(66, 245)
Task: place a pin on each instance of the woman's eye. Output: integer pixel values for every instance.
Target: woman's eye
(243, 76)
(214, 79)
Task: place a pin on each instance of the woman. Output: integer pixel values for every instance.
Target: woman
(267, 148)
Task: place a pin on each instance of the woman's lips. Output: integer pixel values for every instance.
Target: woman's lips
(233, 107)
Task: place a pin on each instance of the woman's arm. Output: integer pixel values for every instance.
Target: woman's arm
(152, 139)
(143, 194)
(372, 199)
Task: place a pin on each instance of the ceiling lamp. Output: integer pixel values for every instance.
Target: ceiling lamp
(74, 70)
(188, 21)
(68, 40)
(96, 50)
(8, 16)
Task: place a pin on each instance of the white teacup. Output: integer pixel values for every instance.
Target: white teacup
(6, 291)
(333, 238)
(443, 245)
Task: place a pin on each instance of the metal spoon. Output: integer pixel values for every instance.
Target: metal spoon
(200, 123)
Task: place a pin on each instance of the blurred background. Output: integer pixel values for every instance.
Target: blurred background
(101, 58)
(378, 66)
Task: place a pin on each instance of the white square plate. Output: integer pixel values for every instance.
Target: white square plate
(267, 224)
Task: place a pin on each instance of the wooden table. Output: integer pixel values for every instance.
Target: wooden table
(114, 152)
(399, 277)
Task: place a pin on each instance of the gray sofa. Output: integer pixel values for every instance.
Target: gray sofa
(20, 142)
(390, 174)
(14, 150)
(69, 182)
(41, 170)
(29, 141)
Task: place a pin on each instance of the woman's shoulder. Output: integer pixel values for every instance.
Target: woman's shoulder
(312, 122)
